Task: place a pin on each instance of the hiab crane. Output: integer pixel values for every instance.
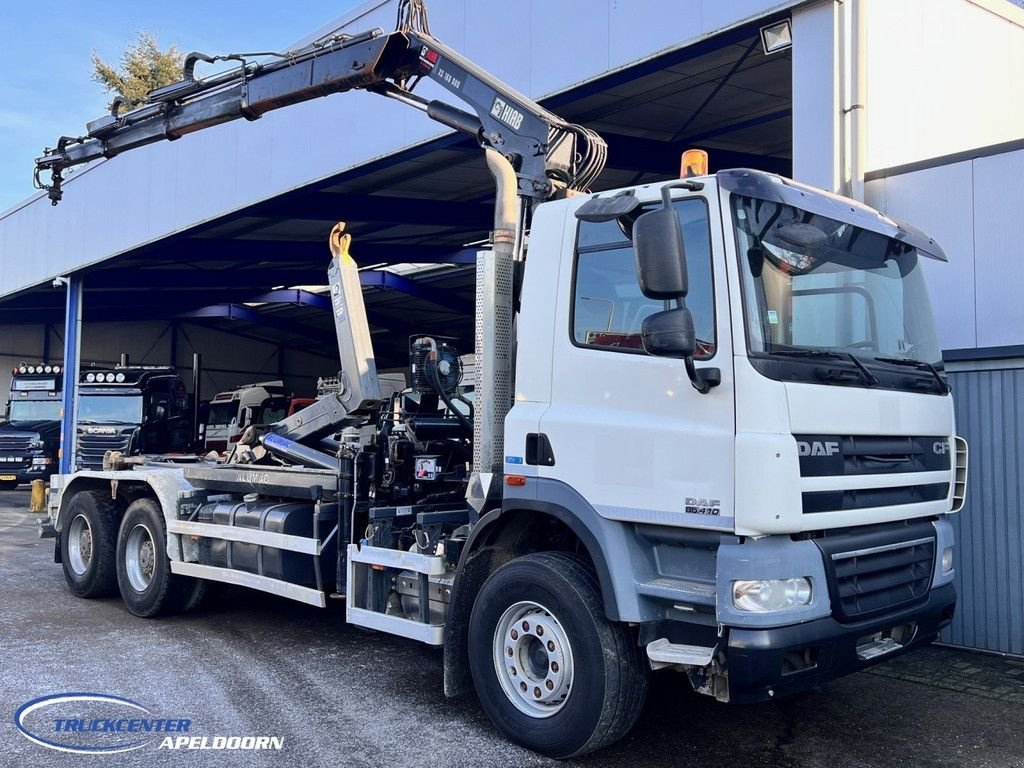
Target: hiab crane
(709, 431)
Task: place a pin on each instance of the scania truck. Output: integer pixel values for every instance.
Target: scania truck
(131, 410)
(30, 437)
(709, 431)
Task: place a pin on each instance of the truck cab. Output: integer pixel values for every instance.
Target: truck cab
(132, 410)
(783, 501)
(233, 411)
(30, 435)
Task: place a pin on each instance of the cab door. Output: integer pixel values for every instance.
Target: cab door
(627, 430)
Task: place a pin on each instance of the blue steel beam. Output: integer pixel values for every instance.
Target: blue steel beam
(295, 296)
(712, 133)
(72, 353)
(661, 158)
(335, 206)
(249, 315)
(288, 252)
(416, 289)
(681, 133)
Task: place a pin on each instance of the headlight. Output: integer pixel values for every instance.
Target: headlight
(764, 595)
(90, 377)
(119, 378)
(947, 560)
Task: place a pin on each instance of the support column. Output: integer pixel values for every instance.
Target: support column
(72, 350)
(817, 107)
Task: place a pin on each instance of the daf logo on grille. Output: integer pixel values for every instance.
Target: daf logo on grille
(818, 448)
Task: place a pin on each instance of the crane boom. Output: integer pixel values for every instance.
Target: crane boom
(549, 154)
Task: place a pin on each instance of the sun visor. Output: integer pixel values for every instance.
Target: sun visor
(768, 186)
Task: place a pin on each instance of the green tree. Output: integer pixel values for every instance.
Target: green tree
(144, 66)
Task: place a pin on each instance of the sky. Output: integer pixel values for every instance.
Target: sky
(45, 67)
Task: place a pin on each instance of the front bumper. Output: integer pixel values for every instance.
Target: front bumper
(767, 663)
(26, 474)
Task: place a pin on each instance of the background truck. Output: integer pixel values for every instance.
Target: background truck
(132, 410)
(233, 411)
(30, 436)
(709, 431)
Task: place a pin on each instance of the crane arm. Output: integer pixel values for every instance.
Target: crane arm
(549, 154)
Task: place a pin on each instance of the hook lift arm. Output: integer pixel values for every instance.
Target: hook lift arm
(550, 155)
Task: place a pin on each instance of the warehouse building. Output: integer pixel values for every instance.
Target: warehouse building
(216, 243)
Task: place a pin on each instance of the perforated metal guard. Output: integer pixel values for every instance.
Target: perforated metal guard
(493, 347)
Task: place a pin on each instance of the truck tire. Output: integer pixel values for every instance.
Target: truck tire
(144, 576)
(88, 540)
(8, 485)
(552, 672)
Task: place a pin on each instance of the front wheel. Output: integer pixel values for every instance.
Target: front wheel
(143, 571)
(552, 672)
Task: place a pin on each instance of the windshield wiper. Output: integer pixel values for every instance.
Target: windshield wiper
(919, 365)
(869, 378)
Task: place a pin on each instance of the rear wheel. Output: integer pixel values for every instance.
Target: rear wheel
(87, 544)
(552, 672)
(143, 571)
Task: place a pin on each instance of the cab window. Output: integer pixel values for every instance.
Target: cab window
(608, 307)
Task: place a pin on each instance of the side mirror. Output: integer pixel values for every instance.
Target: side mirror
(660, 255)
(669, 333)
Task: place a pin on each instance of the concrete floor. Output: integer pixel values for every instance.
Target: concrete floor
(257, 665)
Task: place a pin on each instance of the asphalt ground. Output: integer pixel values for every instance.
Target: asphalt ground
(252, 664)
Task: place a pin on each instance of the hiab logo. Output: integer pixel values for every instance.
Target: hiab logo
(508, 114)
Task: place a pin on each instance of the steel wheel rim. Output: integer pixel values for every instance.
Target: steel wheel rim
(140, 557)
(533, 659)
(79, 545)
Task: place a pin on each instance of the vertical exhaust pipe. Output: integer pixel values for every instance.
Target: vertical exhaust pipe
(197, 366)
(124, 360)
(494, 321)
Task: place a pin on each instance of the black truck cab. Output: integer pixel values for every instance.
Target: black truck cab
(133, 410)
(30, 434)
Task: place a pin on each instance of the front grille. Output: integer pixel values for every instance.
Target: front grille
(864, 498)
(92, 447)
(829, 455)
(14, 444)
(876, 571)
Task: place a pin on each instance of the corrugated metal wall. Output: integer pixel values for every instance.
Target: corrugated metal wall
(990, 531)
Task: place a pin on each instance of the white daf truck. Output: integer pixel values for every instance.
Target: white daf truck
(233, 411)
(709, 433)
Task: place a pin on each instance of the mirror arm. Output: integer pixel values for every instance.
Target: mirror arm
(704, 379)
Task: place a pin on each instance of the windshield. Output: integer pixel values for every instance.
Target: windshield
(121, 409)
(221, 414)
(815, 285)
(38, 410)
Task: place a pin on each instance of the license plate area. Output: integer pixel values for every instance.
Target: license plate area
(8, 477)
(886, 641)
